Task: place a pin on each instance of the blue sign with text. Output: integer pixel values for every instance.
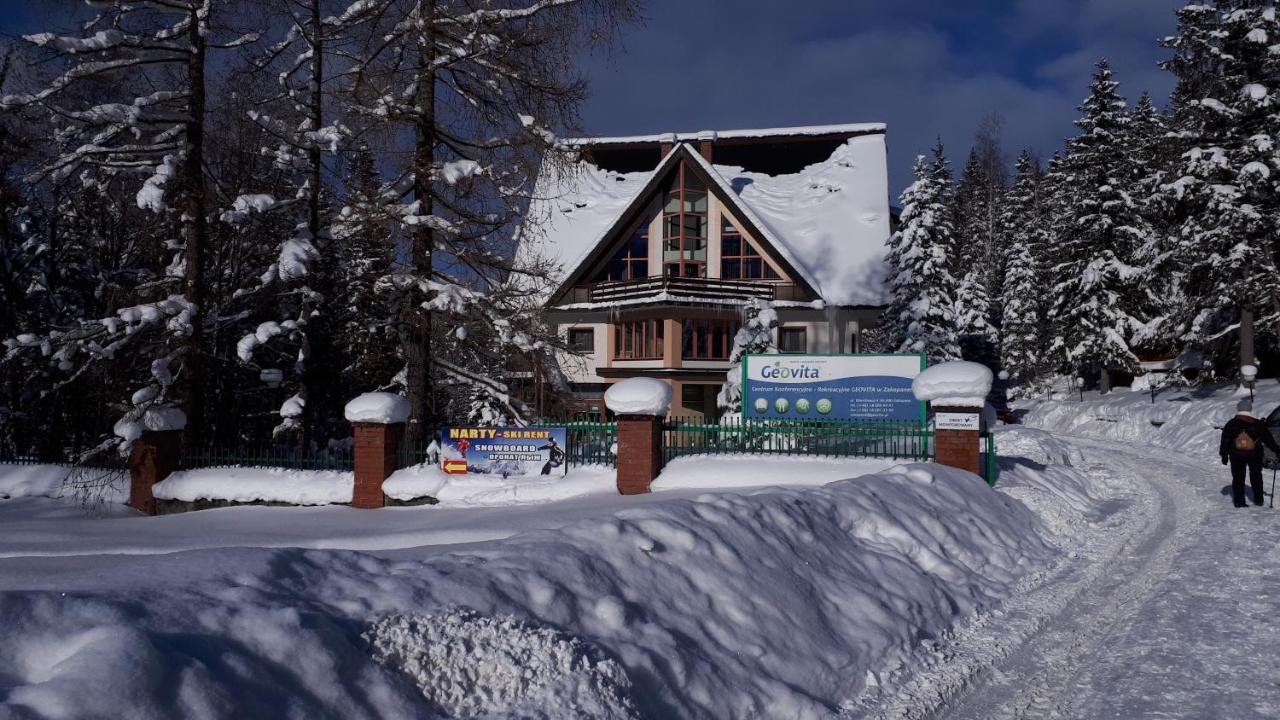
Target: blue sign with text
(831, 387)
(504, 451)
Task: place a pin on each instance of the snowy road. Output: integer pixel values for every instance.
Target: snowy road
(1173, 611)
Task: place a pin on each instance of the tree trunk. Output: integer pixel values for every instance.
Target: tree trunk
(193, 206)
(1104, 381)
(1246, 337)
(314, 158)
(418, 320)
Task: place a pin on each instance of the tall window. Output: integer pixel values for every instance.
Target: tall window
(792, 340)
(738, 258)
(632, 261)
(708, 339)
(638, 340)
(684, 226)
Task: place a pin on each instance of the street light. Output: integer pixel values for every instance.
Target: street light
(271, 376)
(1249, 373)
(1080, 385)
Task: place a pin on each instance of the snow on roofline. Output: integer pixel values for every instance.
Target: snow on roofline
(851, 128)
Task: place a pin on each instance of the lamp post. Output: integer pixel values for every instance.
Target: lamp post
(272, 377)
(1080, 386)
(1249, 374)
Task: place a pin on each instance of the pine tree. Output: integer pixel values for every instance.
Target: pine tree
(1152, 153)
(476, 89)
(1099, 288)
(922, 305)
(146, 65)
(979, 262)
(1226, 188)
(1025, 225)
(754, 337)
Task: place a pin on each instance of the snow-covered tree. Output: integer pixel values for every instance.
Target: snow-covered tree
(1099, 290)
(922, 305)
(1226, 188)
(131, 99)
(1025, 226)
(476, 88)
(978, 202)
(754, 337)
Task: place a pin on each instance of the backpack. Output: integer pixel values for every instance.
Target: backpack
(1245, 443)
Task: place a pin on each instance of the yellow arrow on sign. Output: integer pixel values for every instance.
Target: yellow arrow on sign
(455, 467)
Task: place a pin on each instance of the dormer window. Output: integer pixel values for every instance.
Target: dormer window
(684, 226)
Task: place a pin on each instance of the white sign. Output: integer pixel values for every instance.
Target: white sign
(955, 421)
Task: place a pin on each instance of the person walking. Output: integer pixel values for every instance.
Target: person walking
(1242, 442)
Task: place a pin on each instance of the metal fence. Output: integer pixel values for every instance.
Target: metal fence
(791, 437)
(336, 457)
(591, 443)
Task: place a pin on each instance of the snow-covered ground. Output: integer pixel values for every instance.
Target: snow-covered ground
(750, 601)
(1164, 608)
(1189, 420)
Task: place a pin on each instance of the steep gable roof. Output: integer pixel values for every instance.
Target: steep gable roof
(654, 186)
(827, 224)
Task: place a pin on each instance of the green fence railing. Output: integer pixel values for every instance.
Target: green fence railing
(787, 437)
(591, 443)
(271, 456)
(989, 454)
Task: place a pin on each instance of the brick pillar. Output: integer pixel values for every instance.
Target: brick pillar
(959, 448)
(639, 452)
(377, 448)
(153, 457)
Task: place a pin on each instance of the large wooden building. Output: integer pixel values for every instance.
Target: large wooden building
(661, 240)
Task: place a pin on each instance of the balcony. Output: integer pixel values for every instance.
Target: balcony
(691, 289)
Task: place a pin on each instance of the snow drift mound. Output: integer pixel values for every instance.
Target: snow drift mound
(471, 666)
(1188, 420)
(1035, 445)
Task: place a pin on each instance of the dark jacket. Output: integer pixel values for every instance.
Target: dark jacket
(1257, 429)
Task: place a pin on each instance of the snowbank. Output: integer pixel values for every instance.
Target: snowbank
(1040, 471)
(1035, 445)
(251, 484)
(638, 396)
(709, 472)
(63, 481)
(473, 490)
(783, 603)
(521, 668)
(953, 384)
(1188, 420)
(377, 407)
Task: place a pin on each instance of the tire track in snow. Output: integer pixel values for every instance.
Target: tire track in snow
(1021, 660)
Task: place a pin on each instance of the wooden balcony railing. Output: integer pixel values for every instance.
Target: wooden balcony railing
(682, 288)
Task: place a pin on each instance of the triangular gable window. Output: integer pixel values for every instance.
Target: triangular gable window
(632, 261)
(739, 259)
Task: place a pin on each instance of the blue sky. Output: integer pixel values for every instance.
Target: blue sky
(924, 67)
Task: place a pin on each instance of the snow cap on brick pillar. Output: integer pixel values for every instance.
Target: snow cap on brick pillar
(156, 450)
(379, 420)
(640, 404)
(959, 388)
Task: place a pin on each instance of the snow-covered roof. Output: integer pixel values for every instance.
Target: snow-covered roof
(806, 131)
(830, 220)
